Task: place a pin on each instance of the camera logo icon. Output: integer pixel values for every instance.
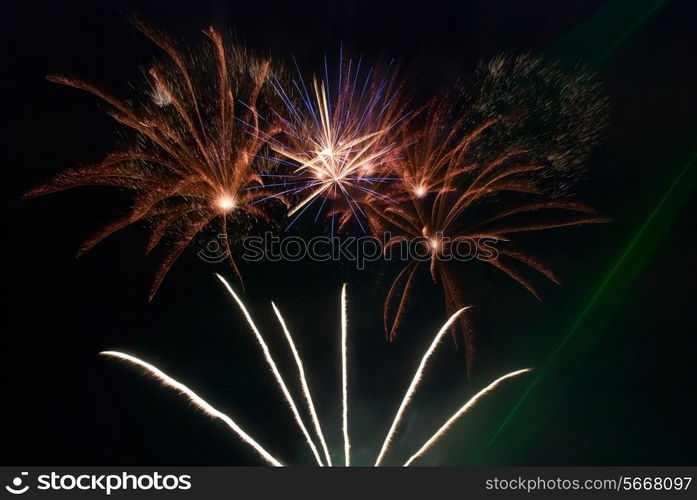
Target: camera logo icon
(16, 487)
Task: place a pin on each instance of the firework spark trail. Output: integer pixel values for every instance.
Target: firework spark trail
(459, 413)
(274, 370)
(196, 400)
(344, 378)
(209, 410)
(414, 383)
(304, 385)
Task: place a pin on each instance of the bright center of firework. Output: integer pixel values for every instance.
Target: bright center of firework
(330, 167)
(433, 242)
(225, 203)
(420, 191)
(342, 151)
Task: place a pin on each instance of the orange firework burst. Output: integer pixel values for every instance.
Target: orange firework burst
(339, 139)
(460, 164)
(194, 160)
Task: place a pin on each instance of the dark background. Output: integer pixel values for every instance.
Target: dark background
(620, 390)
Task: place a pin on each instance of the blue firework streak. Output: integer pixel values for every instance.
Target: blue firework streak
(339, 141)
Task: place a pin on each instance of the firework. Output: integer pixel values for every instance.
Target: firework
(413, 385)
(208, 409)
(303, 383)
(557, 114)
(459, 413)
(464, 159)
(193, 158)
(274, 369)
(344, 378)
(197, 400)
(339, 139)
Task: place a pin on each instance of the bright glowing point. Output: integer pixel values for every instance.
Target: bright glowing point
(226, 203)
(420, 192)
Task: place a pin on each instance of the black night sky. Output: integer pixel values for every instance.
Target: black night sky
(619, 391)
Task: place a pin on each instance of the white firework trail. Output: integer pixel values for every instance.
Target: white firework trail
(274, 370)
(344, 378)
(304, 385)
(459, 413)
(414, 384)
(211, 411)
(197, 400)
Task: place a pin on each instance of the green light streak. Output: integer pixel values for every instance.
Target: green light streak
(578, 38)
(628, 32)
(596, 39)
(593, 300)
